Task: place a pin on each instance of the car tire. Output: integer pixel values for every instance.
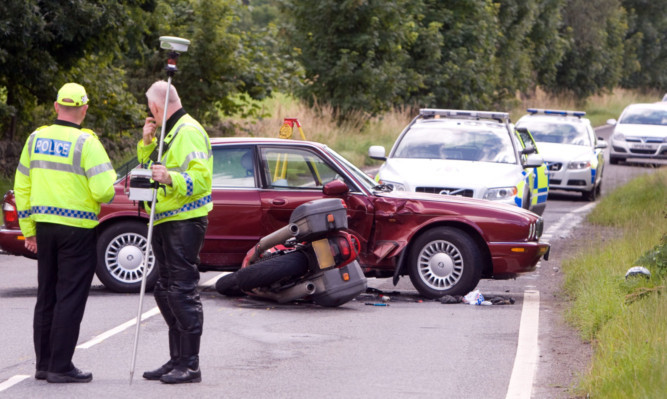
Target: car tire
(444, 261)
(526, 200)
(120, 250)
(590, 195)
(228, 285)
(272, 270)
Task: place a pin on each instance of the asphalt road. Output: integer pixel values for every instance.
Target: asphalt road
(412, 348)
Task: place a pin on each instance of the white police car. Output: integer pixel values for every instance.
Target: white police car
(641, 132)
(466, 153)
(573, 154)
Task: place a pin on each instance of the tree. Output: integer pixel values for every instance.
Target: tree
(353, 52)
(466, 75)
(42, 40)
(547, 45)
(646, 43)
(594, 61)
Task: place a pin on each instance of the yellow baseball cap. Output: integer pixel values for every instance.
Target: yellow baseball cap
(72, 95)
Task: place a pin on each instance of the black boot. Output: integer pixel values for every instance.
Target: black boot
(174, 354)
(187, 369)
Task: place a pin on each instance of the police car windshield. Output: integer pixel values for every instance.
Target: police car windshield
(559, 133)
(645, 116)
(465, 141)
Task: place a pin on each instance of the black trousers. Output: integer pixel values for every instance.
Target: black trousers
(176, 246)
(66, 258)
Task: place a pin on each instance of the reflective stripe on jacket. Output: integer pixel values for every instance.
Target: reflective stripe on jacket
(189, 160)
(63, 175)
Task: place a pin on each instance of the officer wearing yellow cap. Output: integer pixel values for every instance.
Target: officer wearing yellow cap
(63, 175)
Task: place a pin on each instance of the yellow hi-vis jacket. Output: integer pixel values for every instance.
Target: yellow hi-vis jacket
(189, 160)
(63, 175)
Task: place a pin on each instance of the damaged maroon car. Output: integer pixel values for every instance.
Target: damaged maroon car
(444, 243)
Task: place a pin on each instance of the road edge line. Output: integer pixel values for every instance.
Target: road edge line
(525, 361)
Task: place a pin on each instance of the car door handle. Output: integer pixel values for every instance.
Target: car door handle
(279, 201)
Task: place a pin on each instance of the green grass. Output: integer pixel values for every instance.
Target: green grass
(625, 319)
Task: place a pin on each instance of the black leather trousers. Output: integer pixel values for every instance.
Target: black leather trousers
(176, 246)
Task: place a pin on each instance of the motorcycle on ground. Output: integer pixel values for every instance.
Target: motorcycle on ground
(313, 257)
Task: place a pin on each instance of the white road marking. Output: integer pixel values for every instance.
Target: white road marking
(146, 315)
(569, 221)
(565, 224)
(12, 381)
(525, 362)
(211, 282)
(110, 333)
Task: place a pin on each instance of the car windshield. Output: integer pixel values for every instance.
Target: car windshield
(126, 167)
(362, 177)
(560, 133)
(467, 141)
(645, 116)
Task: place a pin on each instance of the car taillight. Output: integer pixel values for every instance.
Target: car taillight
(9, 213)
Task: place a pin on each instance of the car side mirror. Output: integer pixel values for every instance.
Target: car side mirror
(377, 152)
(601, 143)
(611, 121)
(528, 150)
(533, 161)
(335, 188)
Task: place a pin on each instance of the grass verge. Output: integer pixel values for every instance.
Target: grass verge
(626, 319)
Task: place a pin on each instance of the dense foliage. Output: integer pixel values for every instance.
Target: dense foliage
(354, 55)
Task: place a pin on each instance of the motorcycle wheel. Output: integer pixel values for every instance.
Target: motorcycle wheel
(267, 272)
(227, 285)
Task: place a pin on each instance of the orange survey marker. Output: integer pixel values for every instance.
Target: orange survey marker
(287, 128)
(286, 132)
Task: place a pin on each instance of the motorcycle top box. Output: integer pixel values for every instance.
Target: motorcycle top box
(315, 219)
(338, 286)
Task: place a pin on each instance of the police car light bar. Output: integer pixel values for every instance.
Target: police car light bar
(555, 112)
(454, 113)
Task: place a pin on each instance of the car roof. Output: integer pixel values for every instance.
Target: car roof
(262, 140)
(657, 105)
(554, 115)
(552, 118)
(463, 122)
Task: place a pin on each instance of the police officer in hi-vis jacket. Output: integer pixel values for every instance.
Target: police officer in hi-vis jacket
(63, 175)
(181, 218)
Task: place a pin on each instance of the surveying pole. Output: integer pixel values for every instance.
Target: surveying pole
(174, 45)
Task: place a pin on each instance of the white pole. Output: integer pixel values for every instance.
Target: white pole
(149, 237)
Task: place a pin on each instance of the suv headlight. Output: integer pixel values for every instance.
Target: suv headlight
(618, 137)
(579, 165)
(397, 186)
(500, 193)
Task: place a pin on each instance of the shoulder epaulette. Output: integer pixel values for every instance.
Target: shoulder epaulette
(90, 132)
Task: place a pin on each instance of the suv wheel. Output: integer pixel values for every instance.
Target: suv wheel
(444, 261)
(120, 251)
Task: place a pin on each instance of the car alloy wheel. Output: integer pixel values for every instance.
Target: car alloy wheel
(444, 261)
(120, 251)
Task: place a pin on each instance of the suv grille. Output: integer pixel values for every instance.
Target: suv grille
(465, 192)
